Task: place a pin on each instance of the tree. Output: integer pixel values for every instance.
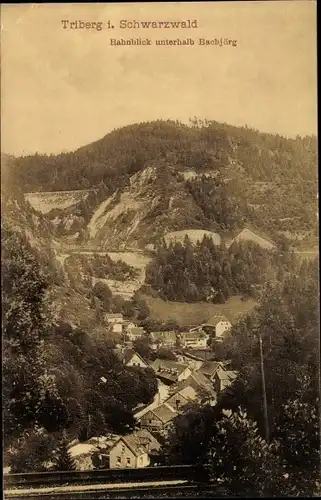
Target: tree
(143, 348)
(142, 309)
(147, 385)
(188, 439)
(117, 304)
(63, 460)
(118, 418)
(297, 441)
(163, 353)
(128, 309)
(287, 322)
(240, 460)
(102, 291)
(32, 452)
(26, 324)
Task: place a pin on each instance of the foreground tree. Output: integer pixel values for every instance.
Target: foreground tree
(235, 445)
(32, 452)
(189, 437)
(297, 444)
(240, 460)
(30, 395)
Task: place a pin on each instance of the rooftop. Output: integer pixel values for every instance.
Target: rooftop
(140, 442)
(168, 369)
(194, 335)
(187, 392)
(226, 374)
(126, 354)
(199, 382)
(165, 413)
(209, 368)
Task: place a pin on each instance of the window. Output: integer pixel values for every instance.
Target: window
(128, 460)
(123, 449)
(118, 460)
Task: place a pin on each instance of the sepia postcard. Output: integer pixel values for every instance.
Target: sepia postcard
(160, 250)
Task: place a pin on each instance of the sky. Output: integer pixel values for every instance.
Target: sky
(62, 89)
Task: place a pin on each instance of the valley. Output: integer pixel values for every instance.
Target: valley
(132, 270)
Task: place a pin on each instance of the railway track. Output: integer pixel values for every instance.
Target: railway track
(172, 481)
(141, 491)
(108, 476)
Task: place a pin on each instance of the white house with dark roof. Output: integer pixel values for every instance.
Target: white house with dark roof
(130, 357)
(219, 325)
(133, 450)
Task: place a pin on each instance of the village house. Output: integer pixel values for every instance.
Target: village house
(128, 325)
(201, 385)
(218, 325)
(130, 357)
(194, 362)
(135, 333)
(209, 369)
(114, 318)
(158, 419)
(223, 378)
(164, 339)
(133, 450)
(115, 321)
(170, 372)
(182, 397)
(196, 339)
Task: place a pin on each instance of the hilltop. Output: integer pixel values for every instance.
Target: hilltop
(149, 179)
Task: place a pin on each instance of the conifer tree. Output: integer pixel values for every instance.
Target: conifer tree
(63, 459)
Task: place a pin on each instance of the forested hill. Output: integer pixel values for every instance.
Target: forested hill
(201, 146)
(264, 179)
